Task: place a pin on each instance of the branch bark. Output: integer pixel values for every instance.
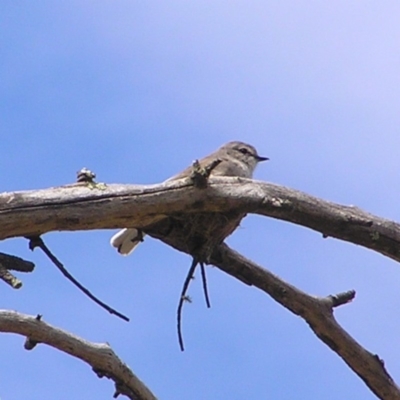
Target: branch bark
(83, 207)
(99, 356)
(9, 262)
(318, 313)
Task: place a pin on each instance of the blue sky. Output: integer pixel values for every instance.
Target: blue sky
(135, 91)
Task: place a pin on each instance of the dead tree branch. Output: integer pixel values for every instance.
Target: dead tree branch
(16, 263)
(99, 356)
(318, 313)
(83, 207)
(37, 241)
(9, 262)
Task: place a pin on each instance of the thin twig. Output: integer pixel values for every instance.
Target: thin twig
(200, 174)
(183, 298)
(36, 241)
(204, 281)
(16, 263)
(209, 168)
(9, 278)
(341, 298)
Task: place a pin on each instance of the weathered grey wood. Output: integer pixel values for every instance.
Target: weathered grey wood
(99, 356)
(318, 313)
(81, 207)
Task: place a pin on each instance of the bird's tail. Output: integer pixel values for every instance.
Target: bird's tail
(126, 240)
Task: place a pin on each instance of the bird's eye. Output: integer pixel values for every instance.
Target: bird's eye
(243, 150)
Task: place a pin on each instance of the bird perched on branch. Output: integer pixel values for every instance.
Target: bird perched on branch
(198, 233)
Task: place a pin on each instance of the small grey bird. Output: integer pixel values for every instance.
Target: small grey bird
(198, 233)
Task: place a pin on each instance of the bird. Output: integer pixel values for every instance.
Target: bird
(198, 233)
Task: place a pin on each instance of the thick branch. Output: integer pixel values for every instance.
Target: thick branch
(99, 356)
(318, 313)
(79, 207)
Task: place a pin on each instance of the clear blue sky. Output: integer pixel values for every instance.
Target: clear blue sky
(135, 91)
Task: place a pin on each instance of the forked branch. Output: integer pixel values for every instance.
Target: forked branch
(99, 356)
(318, 313)
(77, 207)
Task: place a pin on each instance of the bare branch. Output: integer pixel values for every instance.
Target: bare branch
(340, 298)
(9, 278)
(16, 263)
(36, 241)
(182, 299)
(204, 281)
(318, 313)
(100, 357)
(200, 175)
(8, 262)
(77, 207)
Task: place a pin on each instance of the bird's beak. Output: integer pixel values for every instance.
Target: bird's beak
(259, 158)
